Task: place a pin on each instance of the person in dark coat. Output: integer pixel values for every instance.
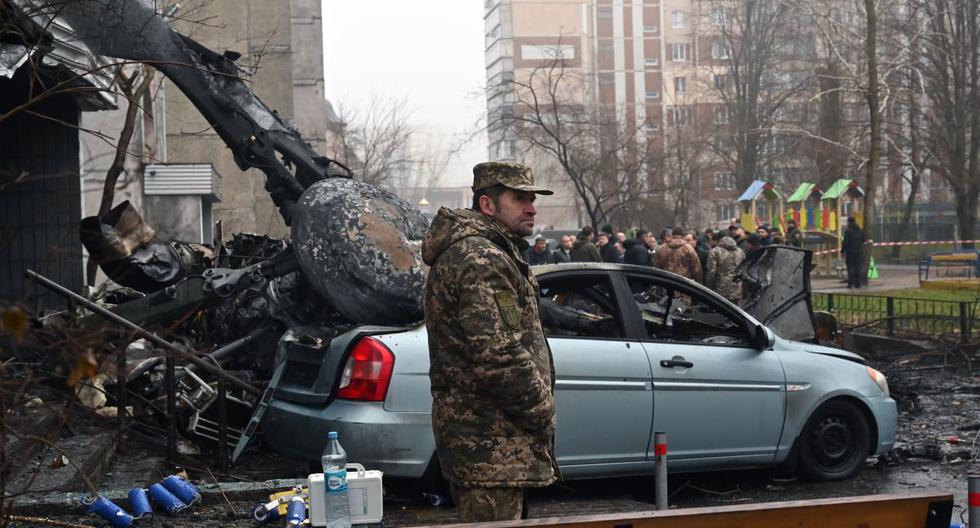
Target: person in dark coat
(636, 250)
(612, 251)
(584, 250)
(853, 249)
(539, 253)
(564, 252)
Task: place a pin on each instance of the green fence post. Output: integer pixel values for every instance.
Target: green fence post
(890, 313)
(964, 322)
(830, 302)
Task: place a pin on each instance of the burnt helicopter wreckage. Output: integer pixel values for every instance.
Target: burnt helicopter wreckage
(235, 310)
(353, 256)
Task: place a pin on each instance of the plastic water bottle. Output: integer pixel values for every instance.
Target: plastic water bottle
(336, 503)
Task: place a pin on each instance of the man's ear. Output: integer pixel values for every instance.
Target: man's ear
(487, 206)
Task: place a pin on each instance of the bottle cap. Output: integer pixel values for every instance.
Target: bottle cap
(332, 435)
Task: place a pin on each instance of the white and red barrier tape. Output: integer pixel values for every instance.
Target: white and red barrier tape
(911, 243)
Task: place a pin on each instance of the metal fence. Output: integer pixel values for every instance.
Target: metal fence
(895, 315)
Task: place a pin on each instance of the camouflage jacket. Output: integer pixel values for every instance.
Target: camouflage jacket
(677, 256)
(722, 262)
(491, 370)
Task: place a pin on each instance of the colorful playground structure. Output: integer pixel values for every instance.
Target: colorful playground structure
(820, 214)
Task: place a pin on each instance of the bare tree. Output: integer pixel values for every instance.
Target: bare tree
(377, 139)
(598, 153)
(760, 58)
(952, 78)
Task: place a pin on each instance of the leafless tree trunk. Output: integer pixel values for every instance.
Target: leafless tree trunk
(872, 96)
(953, 91)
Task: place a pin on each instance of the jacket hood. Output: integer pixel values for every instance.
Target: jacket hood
(728, 243)
(452, 225)
(675, 242)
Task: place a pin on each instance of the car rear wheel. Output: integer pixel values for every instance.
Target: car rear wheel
(835, 442)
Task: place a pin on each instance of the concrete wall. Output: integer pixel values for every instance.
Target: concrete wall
(288, 77)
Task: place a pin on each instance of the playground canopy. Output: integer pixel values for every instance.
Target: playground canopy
(841, 187)
(766, 189)
(803, 192)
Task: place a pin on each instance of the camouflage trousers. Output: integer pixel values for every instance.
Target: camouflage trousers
(489, 504)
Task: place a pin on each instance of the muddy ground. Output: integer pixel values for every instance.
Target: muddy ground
(938, 432)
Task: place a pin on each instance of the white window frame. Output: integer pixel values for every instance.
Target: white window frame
(680, 51)
(653, 94)
(678, 19)
(680, 85)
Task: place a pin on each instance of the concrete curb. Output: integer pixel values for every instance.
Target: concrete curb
(68, 503)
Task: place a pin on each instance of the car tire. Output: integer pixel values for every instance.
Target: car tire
(835, 442)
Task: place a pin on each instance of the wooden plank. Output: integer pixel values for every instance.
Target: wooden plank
(911, 510)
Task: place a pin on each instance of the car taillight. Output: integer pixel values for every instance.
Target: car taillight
(367, 372)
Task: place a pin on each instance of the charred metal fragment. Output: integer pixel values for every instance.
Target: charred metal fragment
(257, 136)
(128, 251)
(778, 281)
(358, 246)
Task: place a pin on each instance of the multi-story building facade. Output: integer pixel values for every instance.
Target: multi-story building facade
(636, 59)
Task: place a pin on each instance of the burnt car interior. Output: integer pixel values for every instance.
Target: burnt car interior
(580, 307)
(684, 316)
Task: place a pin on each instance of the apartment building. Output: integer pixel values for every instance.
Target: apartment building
(638, 58)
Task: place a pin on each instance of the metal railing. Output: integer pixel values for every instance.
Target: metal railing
(896, 315)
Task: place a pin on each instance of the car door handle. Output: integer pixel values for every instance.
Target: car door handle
(670, 363)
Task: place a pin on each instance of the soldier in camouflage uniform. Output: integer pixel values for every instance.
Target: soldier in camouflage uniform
(491, 370)
(723, 260)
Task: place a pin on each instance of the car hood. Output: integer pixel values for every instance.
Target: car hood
(795, 346)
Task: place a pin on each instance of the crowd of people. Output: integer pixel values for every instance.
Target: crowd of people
(709, 257)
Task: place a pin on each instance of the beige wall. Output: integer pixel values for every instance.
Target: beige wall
(289, 77)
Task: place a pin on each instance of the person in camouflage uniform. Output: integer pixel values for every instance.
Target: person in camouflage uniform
(677, 256)
(491, 371)
(723, 259)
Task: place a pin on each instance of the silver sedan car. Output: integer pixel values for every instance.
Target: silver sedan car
(637, 351)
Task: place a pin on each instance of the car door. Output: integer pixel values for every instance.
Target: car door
(603, 385)
(720, 401)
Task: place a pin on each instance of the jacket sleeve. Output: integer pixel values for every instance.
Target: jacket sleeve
(497, 354)
(694, 265)
(710, 277)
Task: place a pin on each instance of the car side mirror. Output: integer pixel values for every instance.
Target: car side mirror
(763, 338)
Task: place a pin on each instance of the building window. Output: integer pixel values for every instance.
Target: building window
(652, 126)
(718, 15)
(605, 12)
(719, 50)
(680, 114)
(721, 82)
(653, 30)
(607, 79)
(652, 62)
(677, 19)
(653, 94)
(721, 115)
(680, 86)
(547, 52)
(725, 181)
(725, 212)
(680, 52)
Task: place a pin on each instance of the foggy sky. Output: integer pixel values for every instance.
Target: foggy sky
(428, 51)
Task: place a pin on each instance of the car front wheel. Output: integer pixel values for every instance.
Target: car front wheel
(835, 442)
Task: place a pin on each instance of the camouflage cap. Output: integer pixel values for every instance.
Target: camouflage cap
(512, 175)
